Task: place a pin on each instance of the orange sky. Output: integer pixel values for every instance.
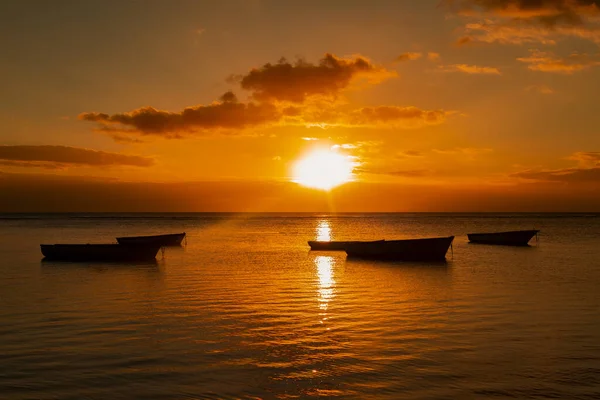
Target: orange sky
(464, 105)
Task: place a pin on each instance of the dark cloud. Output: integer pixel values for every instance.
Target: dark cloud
(227, 113)
(549, 12)
(284, 94)
(60, 156)
(294, 82)
(32, 164)
(528, 21)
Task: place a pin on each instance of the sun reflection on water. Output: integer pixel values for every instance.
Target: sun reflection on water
(323, 231)
(326, 288)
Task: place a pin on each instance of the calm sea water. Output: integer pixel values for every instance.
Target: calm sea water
(246, 311)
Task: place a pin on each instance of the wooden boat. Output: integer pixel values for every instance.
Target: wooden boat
(428, 249)
(173, 239)
(100, 252)
(511, 238)
(329, 245)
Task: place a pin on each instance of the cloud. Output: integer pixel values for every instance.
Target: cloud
(54, 157)
(527, 21)
(471, 151)
(543, 89)
(547, 12)
(567, 175)
(471, 69)
(588, 170)
(374, 117)
(408, 57)
(514, 32)
(410, 154)
(282, 94)
(294, 82)
(431, 56)
(33, 164)
(548, 62)
(586, 158)
(404, 173)
(204, 120)
(227, 113)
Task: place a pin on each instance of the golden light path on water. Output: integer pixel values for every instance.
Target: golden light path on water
(325, 265)
(323, 232)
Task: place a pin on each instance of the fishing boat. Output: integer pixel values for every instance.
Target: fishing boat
(329, 245)
(100, 252)
(172, 239)
(511, 238)
(427, 249)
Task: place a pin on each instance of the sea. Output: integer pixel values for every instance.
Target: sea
(243, 310)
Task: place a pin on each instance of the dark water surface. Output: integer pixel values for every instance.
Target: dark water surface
(246, 311)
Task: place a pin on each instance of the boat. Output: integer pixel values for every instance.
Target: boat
(427, 249)
(510, 238)
(172, 239)
(100, 252)
(329, 245)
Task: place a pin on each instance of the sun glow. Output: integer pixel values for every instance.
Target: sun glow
(323, 169)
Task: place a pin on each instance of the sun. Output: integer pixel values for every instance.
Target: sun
(323, 169)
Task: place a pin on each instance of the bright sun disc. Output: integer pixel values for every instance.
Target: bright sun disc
(323, 169)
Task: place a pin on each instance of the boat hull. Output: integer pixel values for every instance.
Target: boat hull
(329, 246)
(99, 252)
(511, 238)
(173, 239)
(429, 249)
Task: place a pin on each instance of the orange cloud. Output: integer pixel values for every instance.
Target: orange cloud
(295, 82)
(410, 154)
(372, 117)
(431, 56)
(60, 156)
(586, 158)
(543, 89)
(567, 175)
(408, 57)
(547, 62)
(471, 69)
(404, 173)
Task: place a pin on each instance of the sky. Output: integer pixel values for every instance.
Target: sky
(181, 105)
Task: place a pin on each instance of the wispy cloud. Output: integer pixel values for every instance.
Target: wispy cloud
(53, 157)
(548, 62)
(543, 89)
(408, 57)
(431, 56)
(471, 69)
(586, 158)
(588, 170)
